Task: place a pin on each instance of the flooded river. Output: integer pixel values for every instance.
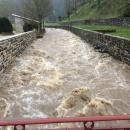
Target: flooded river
(61, 75)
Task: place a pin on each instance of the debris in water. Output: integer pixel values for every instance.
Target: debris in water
(81, 98)
(74, 101)
(97, 106)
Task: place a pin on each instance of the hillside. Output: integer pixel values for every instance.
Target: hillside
(101, 9)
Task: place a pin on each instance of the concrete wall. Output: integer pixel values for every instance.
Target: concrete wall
(19, 25)
(117, 47)
(11, 47)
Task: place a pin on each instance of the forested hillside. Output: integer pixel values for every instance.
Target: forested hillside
(102, 9)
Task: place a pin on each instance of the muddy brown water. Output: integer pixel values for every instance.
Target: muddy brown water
(61, 75)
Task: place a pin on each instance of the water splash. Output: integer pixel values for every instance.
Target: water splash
(80, 102)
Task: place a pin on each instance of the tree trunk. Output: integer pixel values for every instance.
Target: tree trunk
(40, 25)
(43, 30)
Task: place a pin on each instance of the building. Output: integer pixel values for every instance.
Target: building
(19, 22)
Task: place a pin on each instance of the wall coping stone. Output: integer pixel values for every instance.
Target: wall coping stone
(114, 36)
(13, 36)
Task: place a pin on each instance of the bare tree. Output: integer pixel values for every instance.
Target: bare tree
(37, 9)
(5, 7)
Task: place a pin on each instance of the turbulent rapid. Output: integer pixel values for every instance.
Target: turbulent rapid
(61, 75)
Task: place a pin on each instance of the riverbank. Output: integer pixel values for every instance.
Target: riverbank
(119, 31)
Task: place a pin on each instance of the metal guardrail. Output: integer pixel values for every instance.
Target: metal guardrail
(20, 124)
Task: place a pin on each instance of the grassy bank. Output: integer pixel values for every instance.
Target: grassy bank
(51, 24)
(120, 31)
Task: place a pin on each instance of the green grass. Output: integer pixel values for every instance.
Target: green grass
(51, 24)
(120, 31)
(14, 26)
(94, 9)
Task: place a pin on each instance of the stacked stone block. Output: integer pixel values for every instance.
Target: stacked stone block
(13, 46)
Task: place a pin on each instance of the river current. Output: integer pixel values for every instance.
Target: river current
(62, 75)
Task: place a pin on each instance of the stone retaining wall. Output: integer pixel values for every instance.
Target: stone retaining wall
(117, 47)
(112, 21)
(11, 47)
(123, 21)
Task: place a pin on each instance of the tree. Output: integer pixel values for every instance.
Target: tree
(5, 25)
(71, 5)
(30, 26)
(127, 11)
(4, 8)
(60, 18)
(37, 9)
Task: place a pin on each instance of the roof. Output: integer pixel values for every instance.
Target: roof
(28, 19)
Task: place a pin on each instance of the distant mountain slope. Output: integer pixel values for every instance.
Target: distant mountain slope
(101, 9)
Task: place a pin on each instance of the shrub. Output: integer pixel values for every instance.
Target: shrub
(29, 27)
(5, 25)
(127, 11)
(60, 18)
